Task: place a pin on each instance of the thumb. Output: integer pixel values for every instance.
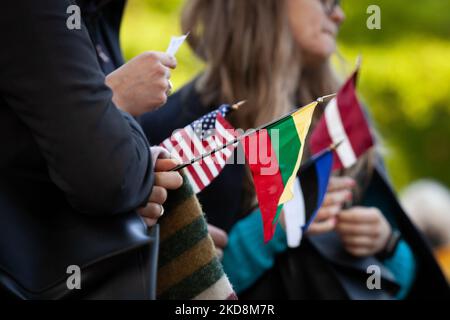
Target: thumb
(167, 60)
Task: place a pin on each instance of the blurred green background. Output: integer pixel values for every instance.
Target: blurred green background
(405, 76)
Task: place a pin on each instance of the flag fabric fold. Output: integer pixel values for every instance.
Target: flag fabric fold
(343, 123)
(309, 193)
(201, 137)
(274, 155)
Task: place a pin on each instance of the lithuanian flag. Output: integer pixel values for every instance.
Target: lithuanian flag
(274, 154)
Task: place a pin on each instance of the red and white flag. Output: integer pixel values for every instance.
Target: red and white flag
(343, 122)
(198, 138)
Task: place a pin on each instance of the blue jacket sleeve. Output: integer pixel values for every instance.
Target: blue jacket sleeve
(403, 263)
(246, 257)
(403, 266)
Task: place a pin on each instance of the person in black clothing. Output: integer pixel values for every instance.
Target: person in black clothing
(75, 165)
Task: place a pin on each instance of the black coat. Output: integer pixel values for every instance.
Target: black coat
(320, 268)
(73, 168)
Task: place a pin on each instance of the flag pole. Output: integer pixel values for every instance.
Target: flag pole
(237, 106)
(236, 140)
(332, 147)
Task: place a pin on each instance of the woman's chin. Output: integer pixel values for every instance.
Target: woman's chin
(322, 49)
(319, 56)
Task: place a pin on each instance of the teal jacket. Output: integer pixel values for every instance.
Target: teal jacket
(247, 258)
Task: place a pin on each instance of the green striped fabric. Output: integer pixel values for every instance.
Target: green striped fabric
(188, 266)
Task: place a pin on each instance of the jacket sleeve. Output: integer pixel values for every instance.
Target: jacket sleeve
(50, 77)
(246, 257)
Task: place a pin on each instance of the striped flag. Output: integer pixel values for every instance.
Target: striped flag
(201, 137)
(343, 122)
(274, 155)
(309, 192)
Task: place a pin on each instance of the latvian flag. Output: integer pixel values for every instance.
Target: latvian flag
(309, 193)
(200, 137)
(343, 122)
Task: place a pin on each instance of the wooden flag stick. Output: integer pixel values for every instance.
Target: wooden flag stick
(332, 147)
(237, 106)
(358, 62)
(322, 99)
(251, 132)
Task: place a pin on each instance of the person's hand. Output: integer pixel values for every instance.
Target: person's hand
(164, 180)
(142, 84)
(338, 193)
(364, 231)
(219, 238)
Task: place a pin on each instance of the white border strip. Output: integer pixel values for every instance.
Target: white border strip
(337, 133)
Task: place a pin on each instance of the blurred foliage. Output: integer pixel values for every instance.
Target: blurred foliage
(405, 76)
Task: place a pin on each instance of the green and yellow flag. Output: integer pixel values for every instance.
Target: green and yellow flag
(274, 156)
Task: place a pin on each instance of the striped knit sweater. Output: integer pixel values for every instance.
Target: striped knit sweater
(188, 267)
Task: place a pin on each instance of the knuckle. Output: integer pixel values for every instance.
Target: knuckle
(158, 178)
(323, 214)
(150, 222)
(164, 195)
(160, 71)
(163, 85)
(333, 198)
(151, 56)
(154, 210)
(161, 194)
(162, 99)
(376, 231)
(348, 241)
(180, 180)
(333, 180)
(173, 176)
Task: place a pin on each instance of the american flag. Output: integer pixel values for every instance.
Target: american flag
(198, 138)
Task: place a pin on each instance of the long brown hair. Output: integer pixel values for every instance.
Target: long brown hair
(251, 55)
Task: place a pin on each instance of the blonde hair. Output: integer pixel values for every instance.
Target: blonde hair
(251, 54)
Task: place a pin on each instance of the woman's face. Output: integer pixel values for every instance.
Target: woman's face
(313, 28)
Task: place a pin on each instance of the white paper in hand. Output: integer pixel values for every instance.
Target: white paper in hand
(175, 44)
